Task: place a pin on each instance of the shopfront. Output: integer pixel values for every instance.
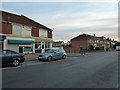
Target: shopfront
(21, 45)
(42, 45)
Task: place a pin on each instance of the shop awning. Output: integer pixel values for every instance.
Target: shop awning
(43, 40)
(21, 41)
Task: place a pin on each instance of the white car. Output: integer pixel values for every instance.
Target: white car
(117, 48)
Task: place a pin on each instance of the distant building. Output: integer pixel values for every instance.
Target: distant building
(58, 44)
(84, 41)
(23, 34)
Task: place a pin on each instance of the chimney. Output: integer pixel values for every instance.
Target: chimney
(94, 35)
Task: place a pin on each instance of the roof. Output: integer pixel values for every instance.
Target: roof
(84, 37)
(58, 42)
(21, 19)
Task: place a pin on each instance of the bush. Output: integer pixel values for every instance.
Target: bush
(91, 47)
(99, 48)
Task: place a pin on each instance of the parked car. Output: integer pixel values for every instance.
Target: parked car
(52, 54)
(117, 48)
(10, 57)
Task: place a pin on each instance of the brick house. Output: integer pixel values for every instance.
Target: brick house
(84, 41)
(23, 34)
(58, 44)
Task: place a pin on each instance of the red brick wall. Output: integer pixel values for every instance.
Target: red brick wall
(0, 27)
(6, 28)
(80, 43)
(35, 32)
(49, 34)
(76, 45)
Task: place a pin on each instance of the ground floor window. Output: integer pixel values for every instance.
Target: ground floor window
(42, 45)
(27, 49)
(48, 44)
(39, 46)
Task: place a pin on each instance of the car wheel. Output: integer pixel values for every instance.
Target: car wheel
(16, 63)
(49, 58)
(64, 56)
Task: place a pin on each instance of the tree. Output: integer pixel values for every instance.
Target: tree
(91, 47)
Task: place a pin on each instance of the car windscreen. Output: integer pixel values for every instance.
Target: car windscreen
(51, 51)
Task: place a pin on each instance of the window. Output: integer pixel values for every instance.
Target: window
(46, 45)
(43, 33)
(42, 45)
(90, 40)
(27, 49)
(38, 45)
(97, 41)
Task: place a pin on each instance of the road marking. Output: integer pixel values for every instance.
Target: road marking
(22, 65)
(10, 67)
(32, 64)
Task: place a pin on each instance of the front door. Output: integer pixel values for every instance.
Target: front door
(20, 49)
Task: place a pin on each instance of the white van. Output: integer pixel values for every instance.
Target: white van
(117, 48)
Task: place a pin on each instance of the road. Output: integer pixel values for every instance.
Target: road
(95, 70)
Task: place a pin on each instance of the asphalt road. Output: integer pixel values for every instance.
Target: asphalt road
(94, 70)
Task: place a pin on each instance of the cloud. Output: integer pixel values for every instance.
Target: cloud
(60, 1)
(71, 19)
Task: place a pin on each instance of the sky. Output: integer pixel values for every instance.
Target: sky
(70, 19)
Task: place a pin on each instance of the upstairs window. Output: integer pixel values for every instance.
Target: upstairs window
(43, 33)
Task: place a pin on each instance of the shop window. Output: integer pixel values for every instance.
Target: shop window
(36, 45)
(27, 49)
(46, 45)
(39, 45)
(42, 45)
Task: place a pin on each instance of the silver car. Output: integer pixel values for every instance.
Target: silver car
(52, 54)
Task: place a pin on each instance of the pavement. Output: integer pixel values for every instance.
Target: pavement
(30, 57)
(93, 70)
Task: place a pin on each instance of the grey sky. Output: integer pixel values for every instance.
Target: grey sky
(70, 19)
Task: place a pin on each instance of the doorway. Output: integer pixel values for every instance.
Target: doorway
(20, 49)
